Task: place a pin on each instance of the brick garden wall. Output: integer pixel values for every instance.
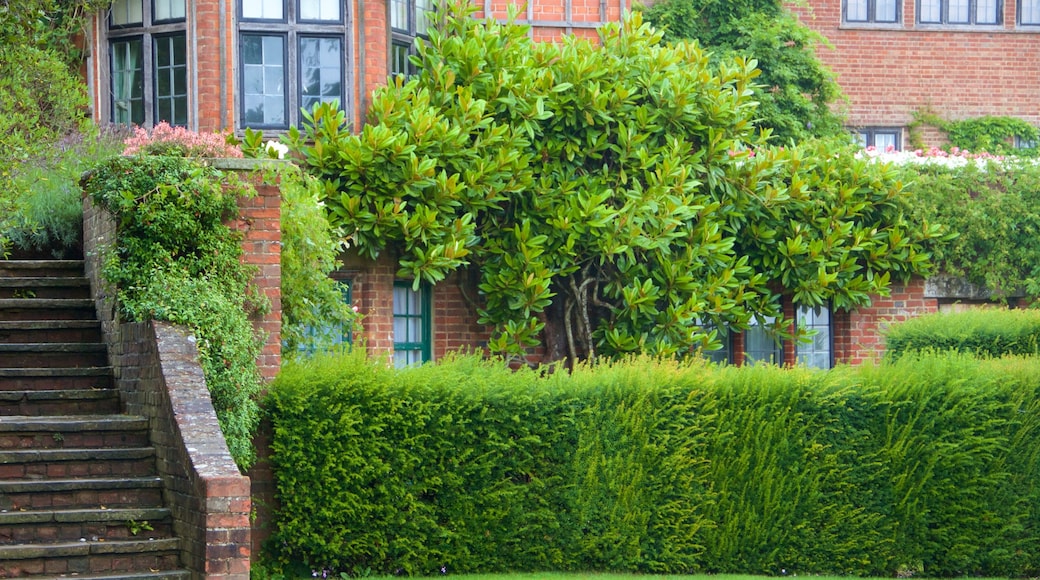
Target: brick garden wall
(860, 338)
(889, 72)
(156, 369)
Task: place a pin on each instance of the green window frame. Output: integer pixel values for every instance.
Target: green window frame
(413, 336)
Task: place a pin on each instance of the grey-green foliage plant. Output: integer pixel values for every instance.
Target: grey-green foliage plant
(614, 196)
(797, 94)
(175, 259)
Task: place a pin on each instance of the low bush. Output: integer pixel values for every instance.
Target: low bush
(175, 259)
(925, 466)
(987, 332)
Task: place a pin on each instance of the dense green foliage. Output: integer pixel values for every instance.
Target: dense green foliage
(175, 259)
(987, 332)
(927, 466)
(604, 192)
(994, 210)
(991, 134)
(795, 91)
(314, 314)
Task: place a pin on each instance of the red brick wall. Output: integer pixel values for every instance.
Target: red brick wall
(862, 339)
(958, 72)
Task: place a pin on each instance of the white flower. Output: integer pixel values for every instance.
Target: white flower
(273, 146)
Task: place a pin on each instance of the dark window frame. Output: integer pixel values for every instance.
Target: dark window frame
(147, 31)
(868, 136)
(425, 315)
(778, 352)
(156, 98)
(168, 20)
(300, 67)
(944, 15)
(1019, 11)
(294, 29)
(871, 13)
(404, 39)
(830, 334)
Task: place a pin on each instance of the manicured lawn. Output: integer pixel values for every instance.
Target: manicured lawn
(598, 576)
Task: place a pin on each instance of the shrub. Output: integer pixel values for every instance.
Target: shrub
(179, 142)
(175, 259)
(987, 332)
(927, 466)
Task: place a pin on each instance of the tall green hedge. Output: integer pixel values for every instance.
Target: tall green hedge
(987, 332)
(929, 465)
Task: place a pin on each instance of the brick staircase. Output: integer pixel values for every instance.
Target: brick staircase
(79, 493)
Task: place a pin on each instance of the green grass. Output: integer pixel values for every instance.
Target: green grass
(605, 576)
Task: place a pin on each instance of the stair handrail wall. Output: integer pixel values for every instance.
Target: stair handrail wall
(157, 372)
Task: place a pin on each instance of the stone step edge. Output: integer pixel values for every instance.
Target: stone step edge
(72, 423)
(11, 372)
(87, 548)
(44, 281)
(53, 455)
(38, 264)
(96, 515)
(48, 324)
(78, 484)
(40, 395)
(46, 303)
(52, 347)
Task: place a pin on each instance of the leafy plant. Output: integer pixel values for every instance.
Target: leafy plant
(613, 197)
(175, 259)
(796, 93)
(992, 134)
(135, 527)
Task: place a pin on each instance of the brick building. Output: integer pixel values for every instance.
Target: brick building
(957, 58)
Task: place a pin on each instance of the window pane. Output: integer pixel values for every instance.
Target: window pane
(931, 11)
(958, 12)
(856, 11)
(319, 10)
(399, 15)
(127, 82)
(263, 79)
(126, 12)
(987, 12)
(320, 71)
(169, 10)
(885, 11)
(816, 353)
(885, 141)
(1029, 12)
(171, 80)
(423, 14)
(399, 64)
(411, 325)
(263, 9)
(761, 345)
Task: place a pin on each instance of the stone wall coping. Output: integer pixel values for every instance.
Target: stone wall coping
(245, 164)
(946, 286)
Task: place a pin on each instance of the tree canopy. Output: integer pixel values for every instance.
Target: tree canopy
(611, 197)
(796, 92)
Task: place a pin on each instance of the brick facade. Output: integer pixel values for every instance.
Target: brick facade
(889, 72)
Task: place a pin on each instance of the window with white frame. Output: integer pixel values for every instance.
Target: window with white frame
(412, 324)
(871, 11)
(1029, 12)
(292, 56)
(978, 12)
(148, 62)
(409, 19)
(815, 323)
(761, 343)
(881, 138)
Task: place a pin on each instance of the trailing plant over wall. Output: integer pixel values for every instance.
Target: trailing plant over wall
(995, 135)
(175, 259)
(606, 192)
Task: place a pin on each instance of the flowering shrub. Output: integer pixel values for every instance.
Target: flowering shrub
(164, 139)
(955, 157)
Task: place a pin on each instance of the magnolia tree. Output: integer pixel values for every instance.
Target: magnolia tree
(609, 197)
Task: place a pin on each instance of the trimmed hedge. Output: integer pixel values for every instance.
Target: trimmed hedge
(929, 465)
(990, 332)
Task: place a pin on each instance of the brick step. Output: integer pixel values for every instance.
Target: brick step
(26, 331)
(21, 379)
(47, 309)
(39, 268)
(70, 463)
(74, 558)
(73, 432)
(59, 402)
(46, 287)
(94, 524)
(53, 354)
(33, 494)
